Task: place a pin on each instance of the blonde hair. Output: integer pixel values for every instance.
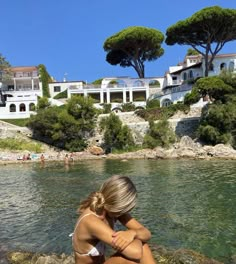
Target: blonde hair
(117, 195)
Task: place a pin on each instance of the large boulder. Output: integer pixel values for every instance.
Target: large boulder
(95, 150)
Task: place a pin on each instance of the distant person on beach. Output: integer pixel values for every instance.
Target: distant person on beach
(72, 157)
(42, 158)
(95, 226)
(66, 159)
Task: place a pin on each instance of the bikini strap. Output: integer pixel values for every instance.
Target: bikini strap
(82, 218)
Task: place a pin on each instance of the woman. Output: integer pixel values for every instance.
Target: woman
(94, 228)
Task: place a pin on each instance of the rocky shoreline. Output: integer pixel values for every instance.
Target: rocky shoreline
(186, 148)
(161, 254)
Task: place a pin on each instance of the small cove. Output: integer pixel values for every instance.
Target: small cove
(185, 203)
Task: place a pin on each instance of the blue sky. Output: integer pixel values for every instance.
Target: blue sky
(68, 36)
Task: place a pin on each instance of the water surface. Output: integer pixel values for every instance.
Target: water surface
(186, 204)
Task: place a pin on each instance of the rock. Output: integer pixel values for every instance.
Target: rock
(161, 254)
(233, 259)
(183, 256)
(31, 258)
(180, 256)
(95, 150)
(20, 257)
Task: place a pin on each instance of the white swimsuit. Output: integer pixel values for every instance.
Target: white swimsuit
(97, 250)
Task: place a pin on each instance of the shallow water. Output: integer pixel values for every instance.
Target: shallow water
(185, 203)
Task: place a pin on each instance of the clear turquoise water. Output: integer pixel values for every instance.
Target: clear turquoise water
(186, 204)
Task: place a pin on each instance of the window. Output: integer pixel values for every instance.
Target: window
(190, 74)
(22, 107)
(185, 76)
(10, 87)
(12, 108)
(222, 66)
(166, 102)
(231, 66)
(57, 89)
(32, 107)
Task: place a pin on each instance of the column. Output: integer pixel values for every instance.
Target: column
(32, 84)
(124, 95)
(108, 96)
(131, 95)
(101, 97)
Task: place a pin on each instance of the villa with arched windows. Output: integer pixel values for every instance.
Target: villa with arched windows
(178, 81)
(113, 90)
(19, 95)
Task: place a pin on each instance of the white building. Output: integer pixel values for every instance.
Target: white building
(19, 94)
(178, 81)
(114, 90)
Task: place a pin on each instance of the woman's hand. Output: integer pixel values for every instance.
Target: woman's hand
(122, 239)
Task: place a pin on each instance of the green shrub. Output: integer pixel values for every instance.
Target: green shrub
(17, 122)
(192, 97)
(106, 108)
(45, 79)
(17, 144)
(116, 135)
(128, 107)
(159, 134)
(153, 103)
(43, 103)
(65, 127)
(158, 113)
(218, 124)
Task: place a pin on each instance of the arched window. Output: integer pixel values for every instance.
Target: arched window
(154, 83)
(32, 107)
(190, 74)
(222, 66)
(12, 108)
(185, 76)
(166, 102)
(22, 108)
(138, 83)
(231, 66)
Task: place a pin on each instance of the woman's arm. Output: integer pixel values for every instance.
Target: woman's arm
(141, 232)
(135, 231)
(98, 229)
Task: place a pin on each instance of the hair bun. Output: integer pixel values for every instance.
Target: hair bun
(98, 201)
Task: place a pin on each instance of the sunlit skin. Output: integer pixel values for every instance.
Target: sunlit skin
(130, 245)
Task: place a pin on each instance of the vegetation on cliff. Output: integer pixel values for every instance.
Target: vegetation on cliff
(66, 127)
(218, 122)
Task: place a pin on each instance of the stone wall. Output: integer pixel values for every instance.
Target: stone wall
(182, 124)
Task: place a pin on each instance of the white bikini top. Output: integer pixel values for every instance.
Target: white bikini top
(97, 250)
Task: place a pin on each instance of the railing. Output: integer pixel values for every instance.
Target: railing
(178, 89)
(25, 74)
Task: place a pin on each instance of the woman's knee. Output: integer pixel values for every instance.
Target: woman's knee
(120, 259)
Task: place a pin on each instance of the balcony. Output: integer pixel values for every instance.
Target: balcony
(25, 74)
